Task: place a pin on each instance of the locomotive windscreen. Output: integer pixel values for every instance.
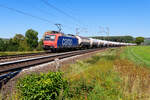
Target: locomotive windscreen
(49, 37)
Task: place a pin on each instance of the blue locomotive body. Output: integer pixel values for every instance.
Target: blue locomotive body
(67, 42)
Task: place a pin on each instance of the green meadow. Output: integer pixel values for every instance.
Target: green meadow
(138, 54)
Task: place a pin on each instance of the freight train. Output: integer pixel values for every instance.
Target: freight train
(58, 41)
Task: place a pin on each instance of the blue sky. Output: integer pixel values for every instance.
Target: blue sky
(123, 17)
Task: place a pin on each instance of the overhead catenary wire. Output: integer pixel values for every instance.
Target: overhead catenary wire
(27, 14)
(31, 15)
(60, 11)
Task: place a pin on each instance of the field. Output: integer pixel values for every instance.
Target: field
(138, 54)
(110, 75)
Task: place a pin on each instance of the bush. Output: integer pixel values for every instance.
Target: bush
(2, 45)
(42, 86)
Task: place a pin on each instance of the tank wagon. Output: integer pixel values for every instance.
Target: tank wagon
(83, 42)
(94, 43)
(58, 41)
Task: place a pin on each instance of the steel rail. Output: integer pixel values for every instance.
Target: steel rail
(24, 63)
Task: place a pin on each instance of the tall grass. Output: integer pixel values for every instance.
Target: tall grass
(134, 71)
(95, 78)
(135, 78)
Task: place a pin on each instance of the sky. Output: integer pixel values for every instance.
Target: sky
(91, 17)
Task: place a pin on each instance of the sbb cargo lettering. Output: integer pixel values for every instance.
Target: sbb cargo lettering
(66, 42)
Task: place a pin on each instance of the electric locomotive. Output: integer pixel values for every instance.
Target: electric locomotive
(56, 41)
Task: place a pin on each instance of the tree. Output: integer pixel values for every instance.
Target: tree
(17, 43)
(2, 45)
(23, 46)
(139, 40)
(21, 42)
(18, 38)
(12, 45)
(31, 38)
(147, 42)
(127, 39)
(40, 44)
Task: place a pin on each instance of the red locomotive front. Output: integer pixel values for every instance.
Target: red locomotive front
(50, 40)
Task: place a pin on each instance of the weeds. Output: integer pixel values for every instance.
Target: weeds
(94, 79)
(135, 76)
(136, 80)
(42, 86)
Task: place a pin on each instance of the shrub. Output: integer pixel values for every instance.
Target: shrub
(42, 86)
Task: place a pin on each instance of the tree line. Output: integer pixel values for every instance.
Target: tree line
(19, 42)
(126, 39)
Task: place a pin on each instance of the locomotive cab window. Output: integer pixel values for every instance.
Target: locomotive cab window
(50, 37)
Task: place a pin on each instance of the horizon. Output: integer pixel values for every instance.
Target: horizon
(89, 36)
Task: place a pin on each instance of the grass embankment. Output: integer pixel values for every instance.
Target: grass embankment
(94, 79)
(138, 54)
(104, 76)
(17, 52)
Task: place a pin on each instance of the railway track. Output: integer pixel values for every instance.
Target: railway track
(24, 63)
(12, 68)
(20, 56)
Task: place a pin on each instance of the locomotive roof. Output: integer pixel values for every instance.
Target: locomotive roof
(54, 32)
